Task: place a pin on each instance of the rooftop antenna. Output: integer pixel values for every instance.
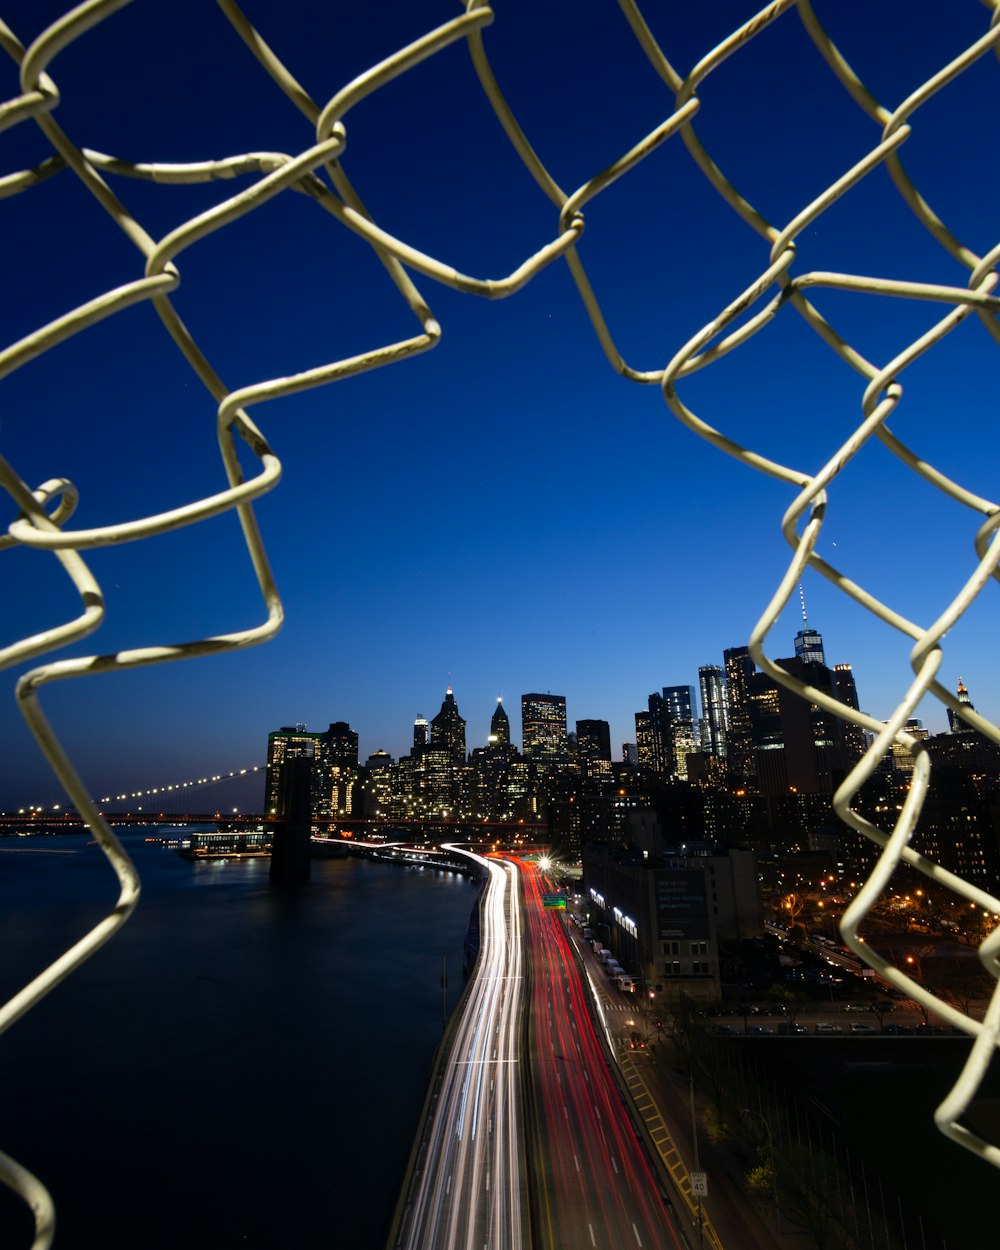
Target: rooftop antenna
(802, 599)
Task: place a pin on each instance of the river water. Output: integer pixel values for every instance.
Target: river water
(239, 1067)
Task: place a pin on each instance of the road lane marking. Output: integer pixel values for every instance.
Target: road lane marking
(613, 1164)
(637, 1237)
(447, 1188)
(593, 1240)
(576, 1161)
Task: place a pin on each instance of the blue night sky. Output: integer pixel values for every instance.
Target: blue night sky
(504, 513)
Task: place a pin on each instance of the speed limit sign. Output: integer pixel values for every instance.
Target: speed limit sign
(699, 1184)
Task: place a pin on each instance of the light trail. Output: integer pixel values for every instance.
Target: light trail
(470, 1181)
(594, 1180)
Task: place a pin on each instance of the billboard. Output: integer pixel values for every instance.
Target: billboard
(681, 906)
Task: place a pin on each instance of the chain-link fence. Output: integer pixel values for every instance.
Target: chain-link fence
(779, 291)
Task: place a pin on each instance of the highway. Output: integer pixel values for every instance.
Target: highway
(469, 1186)
(594, 1185)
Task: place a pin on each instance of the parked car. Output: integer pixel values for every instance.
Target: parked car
(856, 1007)
(725, 1028)
(786, 1027)
(759, 1028)
(825, 1027)
(857, 1027)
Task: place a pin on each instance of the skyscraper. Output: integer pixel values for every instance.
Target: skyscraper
(335, 771)
(543, 728)
(808, 643)
(421, 733)
(681, 705)
(499, 726)
(593, 749)
(661, 743)
(644, 741)
(740, 669)
(955, 722)
(448, 729)
(714, 710)
(285, 744)
(852, 736)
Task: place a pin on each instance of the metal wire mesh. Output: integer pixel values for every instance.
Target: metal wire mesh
(779, 291)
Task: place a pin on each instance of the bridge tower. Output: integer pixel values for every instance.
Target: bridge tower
(293, 825)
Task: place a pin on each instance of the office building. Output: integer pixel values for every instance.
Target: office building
(448, 729)
(335, 771)
(682, 713)
(714, 710)
(740, 755)
(645, 756)
(593, 749)
(808, 643)
(499, 726)
(543, 728)
(661, 747)
(282, 745)
(421, 733)
(853, 739)
(955, 723)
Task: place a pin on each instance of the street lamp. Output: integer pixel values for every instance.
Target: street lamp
(774, 1170)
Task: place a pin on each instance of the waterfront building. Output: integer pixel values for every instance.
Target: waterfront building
(378, 785)
(283, 745)
(544, 735)
(335, 771)
(333, 757)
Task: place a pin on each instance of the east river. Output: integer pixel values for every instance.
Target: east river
(238, 1067)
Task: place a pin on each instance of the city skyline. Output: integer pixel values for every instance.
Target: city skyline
(504, 512)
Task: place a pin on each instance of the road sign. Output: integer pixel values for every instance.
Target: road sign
(699, 1184)
(554, 900)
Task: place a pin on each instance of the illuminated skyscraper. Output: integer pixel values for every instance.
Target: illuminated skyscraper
(500, 727)
(852, 737)
(335, 771)
(681, 706)
(593, 749)
(644, 741)
(955, 722)
(448, 729)
(808, 643)
(660, 742)
(543, 728)
(334, 767)
(714, 710)
(285, 744)
(421, 733)
(740, 758)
